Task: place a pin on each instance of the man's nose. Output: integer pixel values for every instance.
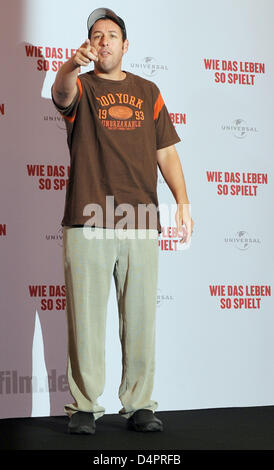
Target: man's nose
(104, 40)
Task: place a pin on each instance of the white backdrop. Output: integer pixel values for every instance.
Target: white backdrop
(214, 344)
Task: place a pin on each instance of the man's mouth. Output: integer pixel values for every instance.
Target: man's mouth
(104, 53)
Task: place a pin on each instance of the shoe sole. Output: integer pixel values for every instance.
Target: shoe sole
(81, 430)
(150, 427)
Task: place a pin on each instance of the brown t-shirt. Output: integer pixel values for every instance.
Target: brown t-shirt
(113, 131)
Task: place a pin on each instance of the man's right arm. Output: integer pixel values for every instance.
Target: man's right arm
(65, 88)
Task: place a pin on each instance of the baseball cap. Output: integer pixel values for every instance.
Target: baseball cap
(101, 13)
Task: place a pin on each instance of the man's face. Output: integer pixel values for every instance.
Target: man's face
(106, 37)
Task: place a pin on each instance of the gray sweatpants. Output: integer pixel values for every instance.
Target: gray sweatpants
(91, 257)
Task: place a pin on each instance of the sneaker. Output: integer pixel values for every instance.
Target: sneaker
(144, 420)
(81, 422)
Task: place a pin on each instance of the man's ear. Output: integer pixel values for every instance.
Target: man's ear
(125, 46)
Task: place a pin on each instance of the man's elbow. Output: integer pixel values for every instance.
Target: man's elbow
(62, 98)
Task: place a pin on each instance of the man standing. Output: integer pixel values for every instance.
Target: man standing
(118, 130)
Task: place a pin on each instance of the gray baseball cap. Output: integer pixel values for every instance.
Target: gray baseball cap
(101, 13)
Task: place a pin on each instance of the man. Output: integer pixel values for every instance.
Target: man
(118, 131)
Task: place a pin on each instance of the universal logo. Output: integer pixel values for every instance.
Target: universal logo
(242, 240)
(239, 128)
(56, 237)
(149, 66)
(57, 118)
(162, 298)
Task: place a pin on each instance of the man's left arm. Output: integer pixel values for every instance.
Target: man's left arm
(171, 169)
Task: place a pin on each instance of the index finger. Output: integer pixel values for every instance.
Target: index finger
(86, 44)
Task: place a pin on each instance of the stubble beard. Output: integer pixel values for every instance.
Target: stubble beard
(108, 67)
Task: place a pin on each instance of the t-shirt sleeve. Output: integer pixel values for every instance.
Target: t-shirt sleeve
(69, 112)
(166, 134)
